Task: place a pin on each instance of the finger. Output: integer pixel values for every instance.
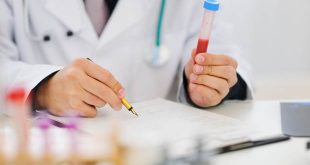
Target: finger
(215, 60)
(92, 100)
(204, 96)
(228, 73)
(87, 110)
(100, 74)
(83, 109)
(189, 67)
(109, 96)
(194, 53)
(102, 91)
(218, 84)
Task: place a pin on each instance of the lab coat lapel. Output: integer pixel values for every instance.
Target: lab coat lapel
(125, 15)
(71, 13)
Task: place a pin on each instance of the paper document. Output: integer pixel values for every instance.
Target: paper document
(165, 122)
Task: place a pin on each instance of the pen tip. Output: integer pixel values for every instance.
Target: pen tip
(134, 112)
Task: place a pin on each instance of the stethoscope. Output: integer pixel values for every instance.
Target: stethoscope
(156, 57)
(160, 54)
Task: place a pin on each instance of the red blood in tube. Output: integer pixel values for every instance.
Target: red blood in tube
(202, 46)
(16, 95)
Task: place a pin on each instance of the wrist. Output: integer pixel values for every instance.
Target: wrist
(40, 93)
(39, 96)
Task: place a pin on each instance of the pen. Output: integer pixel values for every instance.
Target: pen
(125, 102)
(128, 106)
(251, 144)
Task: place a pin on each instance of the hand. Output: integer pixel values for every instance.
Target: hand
(210, 78)
(81, 86)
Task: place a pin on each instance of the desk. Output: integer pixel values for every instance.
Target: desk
(259, 114)
(265, 114)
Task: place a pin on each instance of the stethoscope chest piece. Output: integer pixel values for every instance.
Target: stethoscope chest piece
(159, 56)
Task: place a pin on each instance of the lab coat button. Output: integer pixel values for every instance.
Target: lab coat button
(46, 38)
(70, 33)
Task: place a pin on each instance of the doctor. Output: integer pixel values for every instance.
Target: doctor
(44, 43)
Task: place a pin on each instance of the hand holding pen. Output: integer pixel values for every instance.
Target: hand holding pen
(82, 86)
(124, 100)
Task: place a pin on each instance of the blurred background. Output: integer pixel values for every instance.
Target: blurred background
(274, 36)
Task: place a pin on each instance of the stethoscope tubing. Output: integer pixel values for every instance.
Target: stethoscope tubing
(160, 23)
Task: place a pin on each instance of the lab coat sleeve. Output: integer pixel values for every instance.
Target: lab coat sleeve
(221, 43)
(14, 72)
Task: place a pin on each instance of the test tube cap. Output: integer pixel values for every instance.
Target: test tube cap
(16, 95)
(212, 5)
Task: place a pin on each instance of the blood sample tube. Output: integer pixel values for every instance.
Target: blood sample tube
(44, 124)
(211, 7)
(19, 109)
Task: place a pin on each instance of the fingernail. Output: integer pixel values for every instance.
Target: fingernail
(198, 69)
(200, 59)
(121, 93)
(193, 77)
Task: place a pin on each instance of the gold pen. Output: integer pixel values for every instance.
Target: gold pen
(124, 101)
(129, 107)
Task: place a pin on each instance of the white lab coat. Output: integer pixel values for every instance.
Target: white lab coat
(127, 39)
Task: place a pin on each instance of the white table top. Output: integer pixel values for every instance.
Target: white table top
(265, 114)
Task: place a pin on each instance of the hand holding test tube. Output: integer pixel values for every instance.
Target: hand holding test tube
(209, 76)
